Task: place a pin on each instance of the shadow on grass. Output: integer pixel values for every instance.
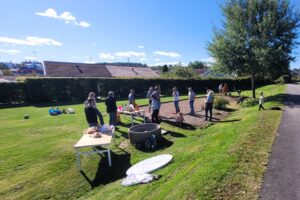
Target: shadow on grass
(163, 143)
(175, 134)
(203, 116)
(228, 109)
(231, 120)
(172, 122)
(106, 174)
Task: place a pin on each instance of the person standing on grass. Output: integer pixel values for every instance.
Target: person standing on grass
(192, 96)
(175, 95)
(261, 101)
(220, 88)
(91, 101)
(225, 89)
(91, 114)
(155, 104)
(149, 93)
(111, 108)
(131, 97)
(156, 93)
(209, 104)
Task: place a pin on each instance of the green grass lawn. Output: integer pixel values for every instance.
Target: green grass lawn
(223, 161)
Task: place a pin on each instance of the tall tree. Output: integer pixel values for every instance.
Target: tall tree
(165, 68)
(257, 38)
(179, 71)
(197, 65)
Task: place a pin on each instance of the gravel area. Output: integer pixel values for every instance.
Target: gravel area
(167, 112)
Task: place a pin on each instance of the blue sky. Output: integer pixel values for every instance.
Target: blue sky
(147, 31)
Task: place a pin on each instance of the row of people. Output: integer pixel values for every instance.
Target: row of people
(192, 95)
(153, 95)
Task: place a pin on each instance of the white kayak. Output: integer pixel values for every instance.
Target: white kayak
(149, 165)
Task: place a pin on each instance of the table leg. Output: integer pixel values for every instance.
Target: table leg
(78, 159)
(109, 157)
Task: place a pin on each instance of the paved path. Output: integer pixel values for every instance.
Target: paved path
(282, 178)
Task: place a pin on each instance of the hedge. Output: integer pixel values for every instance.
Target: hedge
(37, 90)
(12, 93)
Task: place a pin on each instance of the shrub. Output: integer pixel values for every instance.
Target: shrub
(46, 89)
(249, 102)
(220, 103)
(12, 93)
(283, 79)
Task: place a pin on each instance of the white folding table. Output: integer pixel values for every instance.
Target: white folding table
(87, 141)
(133, 114)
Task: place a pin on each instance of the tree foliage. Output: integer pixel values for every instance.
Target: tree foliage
(257, 38)
(197, 65)
(7, 72)
(165, 68)
(179, 71)
(3, 66)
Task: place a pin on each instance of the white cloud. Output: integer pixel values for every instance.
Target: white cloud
(52, 58)
(143, 59)
(209, 60)
(84, 24)
(128, 54)
(74, 59)
(106, 56)
(141, 46)
(30, 58)
(9, 45)
(66, 16)
(31, 41)
(50, 12)
(10, 51)
(157, 59)
(93, 44)
(90, 61)
(167, 53)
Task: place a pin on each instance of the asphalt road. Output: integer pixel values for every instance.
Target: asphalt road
(282, 178)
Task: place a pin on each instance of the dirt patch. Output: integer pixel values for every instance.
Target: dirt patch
(167, 112)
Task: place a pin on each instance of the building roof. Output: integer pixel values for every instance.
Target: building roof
(8, 79)
(200, 71)
(65, 69)
(137, 72)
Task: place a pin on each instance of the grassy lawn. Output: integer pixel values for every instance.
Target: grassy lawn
(223, 161)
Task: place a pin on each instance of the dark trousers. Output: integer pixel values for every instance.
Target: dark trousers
(208, 108)
(260, 107)
(100, 117)
(192, 106)
(176, 104)
(113, 118)
(93, 124)
(154, 116)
